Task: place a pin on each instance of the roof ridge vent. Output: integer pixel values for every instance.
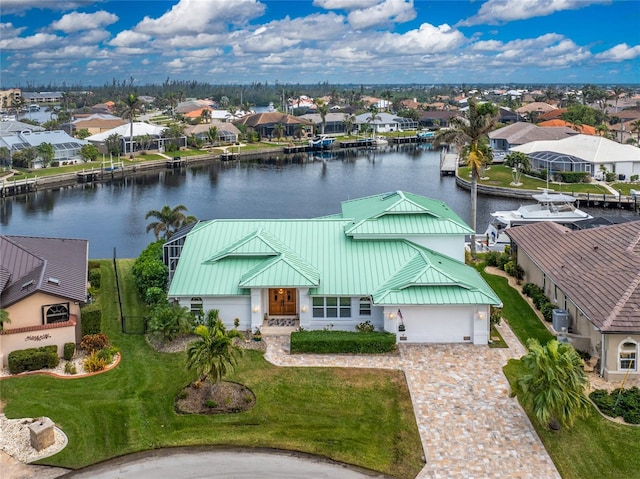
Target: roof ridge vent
(53, 280)
(27, 284)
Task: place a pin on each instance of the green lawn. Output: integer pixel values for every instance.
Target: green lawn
(594, 448)
(501, 176)
(359, 416)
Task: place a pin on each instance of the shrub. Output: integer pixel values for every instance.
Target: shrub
(182, 394)
(70, 368)
(539, 300)
(211, 403)
(619, 402)
(94, 342)
(334, 342)
(68, 350)
(610, 177)
(91, 322)
(94, 363)
(496, 315)
(94, 278)
(107, 354)
(547, 310)
(365, 327)
(634, 178)
(170, 320)
(574, 176)
(33, 359)
(155, 295)
(492, 258)
(527, 288)
(503, 259)
(149, 270)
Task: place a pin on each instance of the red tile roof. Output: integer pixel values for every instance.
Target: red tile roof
(598, 268)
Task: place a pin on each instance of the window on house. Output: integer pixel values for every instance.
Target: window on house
(57, 313)
(331, 307)
(196, 306)
(628, 356)
(365, 306)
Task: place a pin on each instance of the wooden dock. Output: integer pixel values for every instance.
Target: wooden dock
(228, 156)
(448, 164)
(11, 188)
(88, 176)
(296, 149)
(356, 143)
(176, 162)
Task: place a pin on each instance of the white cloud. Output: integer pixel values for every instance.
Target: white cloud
(396, 11)
(201, 16)
(345, 4)
(176, 64)
(8, 30)
(427, 39)
(495, 12)
(127, 38)
(619, 53)
(38, 40)
(21, 6)
(70, 51)
(91, 37)
(75, 21)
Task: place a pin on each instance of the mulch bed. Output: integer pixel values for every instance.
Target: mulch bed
(223, 397)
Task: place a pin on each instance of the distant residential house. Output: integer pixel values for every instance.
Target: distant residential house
(438, 118)
(42, 96)
(103, 108)
(394, 259)
(584, 129)
(385, 122)
(334, 122)
(97, 123)
(193, 105)
(227, 132)
(155, 132)
(593, 276)
(9, 98)
(8, 128)
(583, 153)
(507, 116)
(519, 133)
(66, 148)
(43, 283)
(264, 123)
(534, 109)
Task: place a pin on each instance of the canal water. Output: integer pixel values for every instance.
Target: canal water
(112, 214)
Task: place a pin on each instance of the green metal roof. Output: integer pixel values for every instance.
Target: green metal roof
(401, 213)
(227, 257)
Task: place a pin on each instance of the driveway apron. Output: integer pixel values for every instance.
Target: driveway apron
(468, 424)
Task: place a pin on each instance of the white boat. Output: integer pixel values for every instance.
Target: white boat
(379, 141)
(549, 206)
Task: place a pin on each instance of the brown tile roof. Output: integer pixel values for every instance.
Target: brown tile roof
(522, 132)
(56, 266)
(598, 268)
(269, 118)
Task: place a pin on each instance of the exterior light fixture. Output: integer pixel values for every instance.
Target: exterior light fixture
(256, 309)
(482, 315)
(303, 309)
(392, 316)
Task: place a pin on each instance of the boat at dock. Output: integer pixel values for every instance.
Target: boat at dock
(550, 206)
(321, 142)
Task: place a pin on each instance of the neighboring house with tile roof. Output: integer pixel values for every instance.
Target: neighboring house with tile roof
(334, 122)
(594, 275)
(227, 132)
(140, 129)
(264, 123)
(8, 128)
(43, 283)
(584, 129)
(392, 259)
(519, 133)
(97, 123)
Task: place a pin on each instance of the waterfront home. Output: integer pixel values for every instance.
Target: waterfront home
(66, 148)
(585, 153)
(394, 259)
(96, 122)
(227, 132)
(155, 134)
(264, 123)
(333, 122)
(593, 276)
(519, 133)
(43, 283)
(385, 122)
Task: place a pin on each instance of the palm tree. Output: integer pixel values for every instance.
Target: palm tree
(168, 220)
(553, 387)
(472, 131)
(205, 116)
(323, 110)
(635, 128)
(212, 135)
(214, 353)
(133, 105)
(374, 115)
(278, 130)
(515, 158)
(349, 121)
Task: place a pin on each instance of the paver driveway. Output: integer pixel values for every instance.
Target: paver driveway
(469, 426)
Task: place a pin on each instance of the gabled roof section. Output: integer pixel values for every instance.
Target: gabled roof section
(597, 268)
(432, 278)
(54, 266)
(282, 265)
(401, 213)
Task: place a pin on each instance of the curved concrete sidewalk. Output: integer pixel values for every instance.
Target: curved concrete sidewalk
(469, 426)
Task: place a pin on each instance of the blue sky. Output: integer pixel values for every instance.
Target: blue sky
(90, 42)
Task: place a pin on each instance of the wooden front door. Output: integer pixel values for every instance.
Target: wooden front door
(282, 301)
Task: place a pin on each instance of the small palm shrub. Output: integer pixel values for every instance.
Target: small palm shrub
(94, 363)
(365, 327)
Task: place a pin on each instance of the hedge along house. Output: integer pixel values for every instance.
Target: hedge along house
(593, 275)
(43, 283)
(394, 259)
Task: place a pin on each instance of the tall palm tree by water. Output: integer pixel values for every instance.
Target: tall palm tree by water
(471, 131)
(133, 105)
(168, 220)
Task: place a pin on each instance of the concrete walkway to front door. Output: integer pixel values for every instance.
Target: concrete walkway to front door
(469, 426)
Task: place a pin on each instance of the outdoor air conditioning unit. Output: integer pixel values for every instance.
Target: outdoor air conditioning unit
(560, 320)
